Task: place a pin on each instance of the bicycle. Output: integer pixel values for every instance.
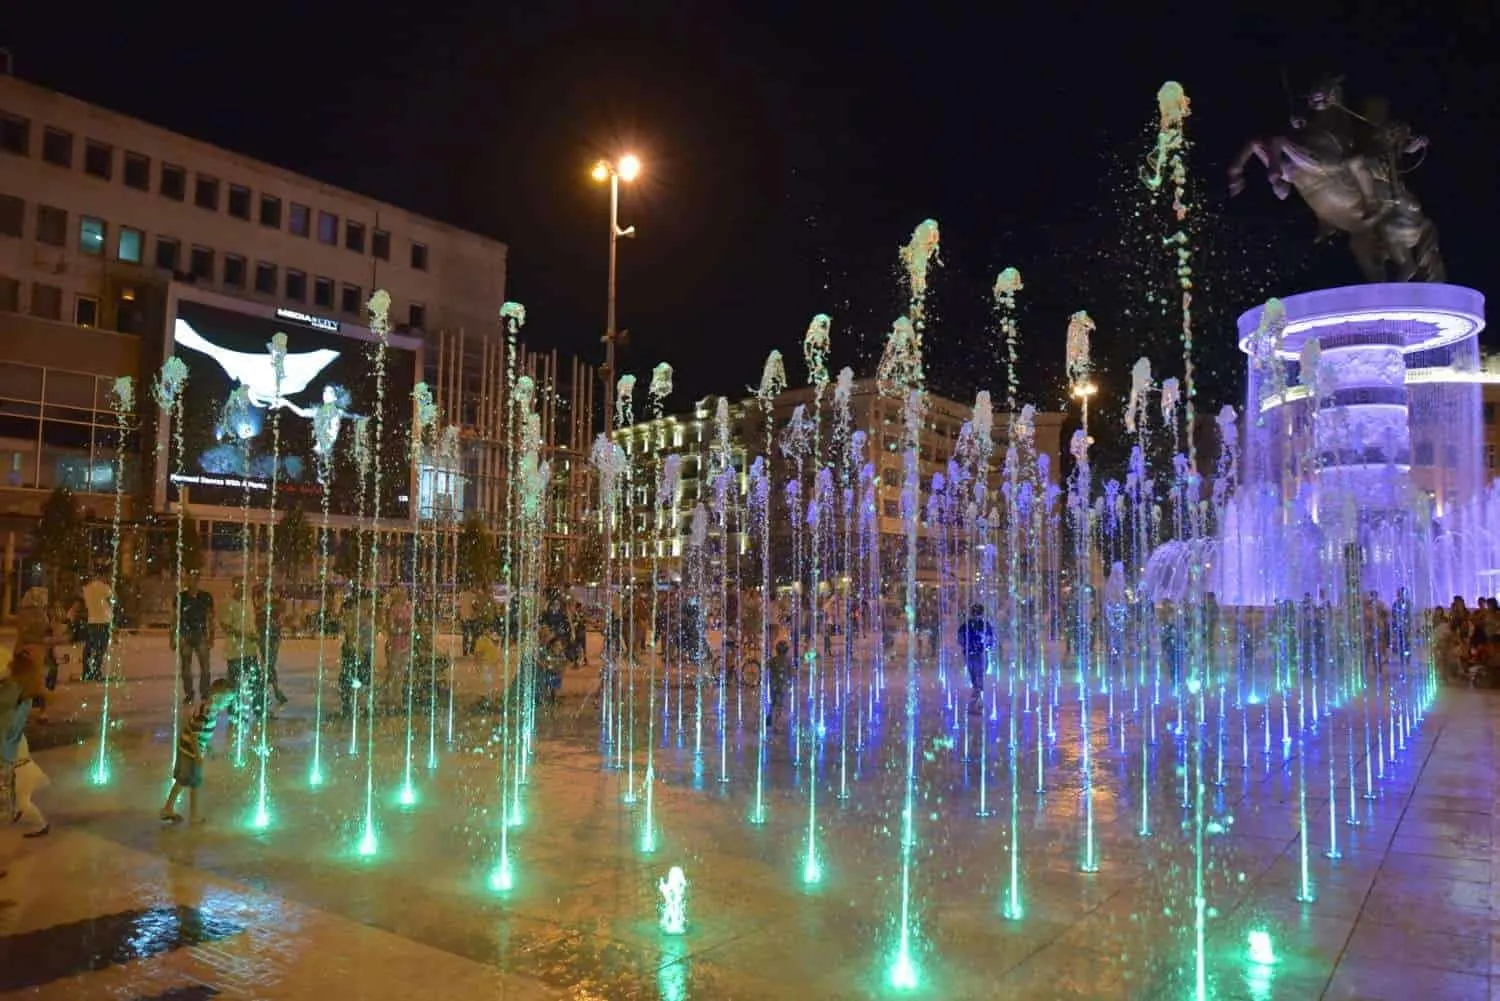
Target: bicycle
(743, 670)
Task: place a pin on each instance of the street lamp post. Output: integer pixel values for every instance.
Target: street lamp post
(1085, 391)
(627, 168)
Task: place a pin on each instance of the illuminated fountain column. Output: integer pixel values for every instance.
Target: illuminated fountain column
(1373, 341)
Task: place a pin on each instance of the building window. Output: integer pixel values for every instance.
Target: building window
(46, 301)
(206, 192)
(296, 285)
(57, 147)
(380, 244)
(239, 202)
(1489, 413)
(98, 160)
(173, 182)
(234, 271)
(168, 253)
(270, 211)
(91, 234)
(12, 216)
(86, 311)
(131, 245)
(328, 228)
(301, 220)
(354, 236)
(416, 316)
(419, 256)
(323, 292)
(51, 226)
(201, 266)
(15, 134)
(353, 298)
(137, 171)
(265, 278)
(10, 295)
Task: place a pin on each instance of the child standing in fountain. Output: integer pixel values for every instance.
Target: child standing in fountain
(242, 652)
(977, 638)
(357, 623)
(193, 744)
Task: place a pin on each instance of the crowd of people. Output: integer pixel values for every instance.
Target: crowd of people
(1466, 641)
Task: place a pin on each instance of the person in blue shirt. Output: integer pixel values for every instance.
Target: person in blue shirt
(977, 637)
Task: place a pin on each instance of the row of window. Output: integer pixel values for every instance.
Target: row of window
(47, 302)
(99, 160)
(201, 262)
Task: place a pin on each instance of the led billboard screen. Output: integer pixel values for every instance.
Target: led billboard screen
(229, 456)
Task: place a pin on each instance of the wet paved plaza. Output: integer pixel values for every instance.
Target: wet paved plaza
(116, 905)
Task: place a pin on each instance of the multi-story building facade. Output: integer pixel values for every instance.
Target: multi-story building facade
(692, 437)
(650, 531)
(107, 221)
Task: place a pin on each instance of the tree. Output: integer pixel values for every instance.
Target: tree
(296, 544)
(162, 544)
(60, 540)
(344, 551)
(478, 559)
(192, 544)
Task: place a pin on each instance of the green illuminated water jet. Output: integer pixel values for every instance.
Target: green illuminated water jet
(900, 376)
(424, 419)
(122, 401)
(168, 390)
(379, 308)
(326, 420)
(261, 816)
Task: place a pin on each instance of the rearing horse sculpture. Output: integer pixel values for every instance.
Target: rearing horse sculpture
(1346, 168)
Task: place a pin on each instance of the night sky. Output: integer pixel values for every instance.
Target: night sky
(791, 148)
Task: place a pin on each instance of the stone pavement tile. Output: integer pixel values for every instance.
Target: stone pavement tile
(1070, 973)
(1469, 830)
(283, 950)
(1423, 866)
(1360, 979)
(1414, 947)
(41, 957)
(1480, 802)
(1438, 905)
(1428, 890)
(1443, 848)
(71, 876)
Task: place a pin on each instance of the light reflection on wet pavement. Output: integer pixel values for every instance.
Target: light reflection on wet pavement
(293, 912)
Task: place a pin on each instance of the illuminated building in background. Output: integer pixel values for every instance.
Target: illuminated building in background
(105, 220)
(692, 438)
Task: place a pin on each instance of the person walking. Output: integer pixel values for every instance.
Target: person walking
(99, 612)
(398, 627)
(977, 637)
(468, 619)
(270, 613)
(194, 635)
(357, 629)
(17, 693)
(242, 653)
(780, 676)
(34, 636)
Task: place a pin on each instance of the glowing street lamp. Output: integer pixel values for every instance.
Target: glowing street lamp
(1084, 391)
(627, 168)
